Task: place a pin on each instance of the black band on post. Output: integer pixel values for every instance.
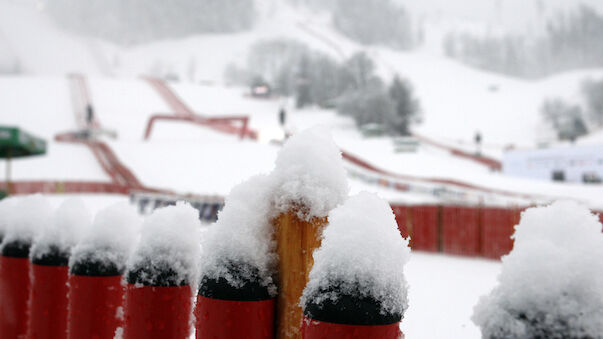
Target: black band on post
(251, 288)
(16, 249)
(349, 309)
(54, 257)
(151, 274)
(95, 268)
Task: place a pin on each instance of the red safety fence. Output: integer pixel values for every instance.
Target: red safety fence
(48, 302)
(424, 228)
(401, 214)
(312, 329)
(93, 306)
(461, 230)
(471, 231)
(497, 227)
(14, 295)
(158, 312)
(51, 187)
(234, 319)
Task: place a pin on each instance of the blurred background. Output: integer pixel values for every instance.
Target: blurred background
(479, 103)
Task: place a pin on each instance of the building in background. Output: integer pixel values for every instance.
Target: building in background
(570, 163)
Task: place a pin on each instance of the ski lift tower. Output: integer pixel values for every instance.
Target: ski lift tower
(16, 143)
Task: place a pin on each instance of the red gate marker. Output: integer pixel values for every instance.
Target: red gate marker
(48, 303)
(217, 318)
(158, 312)
(94, 304)
(313, 329)
(14, 295)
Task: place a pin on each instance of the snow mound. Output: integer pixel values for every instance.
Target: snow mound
(309, 173)
(109, 241)
(169, 248)
(26, 218)
(68, 224)
(243, 237)
(551, 284)
(362, 253)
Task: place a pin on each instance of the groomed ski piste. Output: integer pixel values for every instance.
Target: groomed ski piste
(200, 160)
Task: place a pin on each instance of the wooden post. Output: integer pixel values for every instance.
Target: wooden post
(296, 240)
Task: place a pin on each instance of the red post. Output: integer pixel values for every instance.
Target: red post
(158, 312)
(48, 308)
(217, 318)
(94, 306)
(312, 329)
(14, 295)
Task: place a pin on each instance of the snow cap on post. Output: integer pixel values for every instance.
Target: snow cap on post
(55, 242)
(551, 284)
(105, 247)
(169, 249)
(26, 219)
(309, 173)
(238, 250)
(359, 265)
(7, 205)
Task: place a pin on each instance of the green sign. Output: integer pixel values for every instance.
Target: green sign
(15, 143)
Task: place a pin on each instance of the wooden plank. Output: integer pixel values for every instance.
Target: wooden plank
(296, 240)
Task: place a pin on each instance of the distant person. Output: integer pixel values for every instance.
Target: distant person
(89, 115)
(282, 117)
(478, 143)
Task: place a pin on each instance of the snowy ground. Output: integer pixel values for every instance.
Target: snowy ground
(443, 291)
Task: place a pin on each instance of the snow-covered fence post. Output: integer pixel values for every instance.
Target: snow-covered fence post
(27, 217)
(162, 275)
(357, 287)
(551, 284)
(96, 269)
(309, 181)
(50, 271)
(237, 294)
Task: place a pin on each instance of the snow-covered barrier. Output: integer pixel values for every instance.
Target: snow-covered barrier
(25, 218)
(50, 271)
(357, 287)
(163, 274)
(96, 268)
(237, 293)
(551, 284)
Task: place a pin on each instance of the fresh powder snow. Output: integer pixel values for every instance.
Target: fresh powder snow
(26, 218)
(64, 230)
(243, 236)
(362, 253)
(6, 206)
(309, 173)
(551, 284)
(168, 251)
(109, 241)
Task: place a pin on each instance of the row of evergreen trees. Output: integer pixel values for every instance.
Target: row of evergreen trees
(137, 21)
(313, 78)
(569, 42)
